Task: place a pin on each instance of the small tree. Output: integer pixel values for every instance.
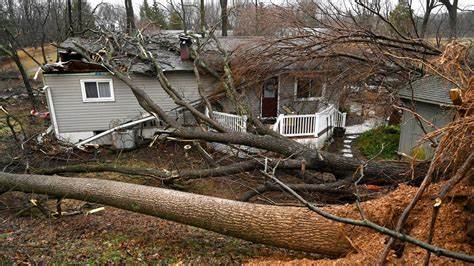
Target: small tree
(153, 14)
(400, 17)
(157, 15)
(176, 22)
(144, 10)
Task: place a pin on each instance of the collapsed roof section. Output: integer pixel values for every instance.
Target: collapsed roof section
(122, 53)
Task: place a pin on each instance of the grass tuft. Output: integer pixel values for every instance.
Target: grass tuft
(370, 143)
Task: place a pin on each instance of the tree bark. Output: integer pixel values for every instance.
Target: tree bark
(453, 16)
(224, 17)
(79, 15)
(185, 23)
(202, 20)
(384, 173)
(130, 16)
(426, 16)
(69, 18)
(287, 227)
(453, 22)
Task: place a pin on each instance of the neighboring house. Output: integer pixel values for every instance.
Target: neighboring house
(85, 99)
(429, 97)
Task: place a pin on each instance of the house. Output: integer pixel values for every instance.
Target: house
(429, 97)
(85, 100)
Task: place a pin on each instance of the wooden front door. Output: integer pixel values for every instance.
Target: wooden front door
(270, 98)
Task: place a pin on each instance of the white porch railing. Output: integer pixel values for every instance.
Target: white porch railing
(296, 125)
(232, 122)
(313, 125)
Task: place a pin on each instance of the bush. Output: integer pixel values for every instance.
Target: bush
(370, 143)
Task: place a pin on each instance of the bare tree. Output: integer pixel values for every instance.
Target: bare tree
(130, 16)
(202, 16)
(79, 15)
(69, 18)
(429, 6)
(224, 17)
(452, 8)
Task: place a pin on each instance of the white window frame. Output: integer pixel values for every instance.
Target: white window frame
(99, 99)
(309, 99)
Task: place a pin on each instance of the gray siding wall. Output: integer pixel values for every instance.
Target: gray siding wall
(286, 91)
(287, 98)
(249, 97)
(411, 132)
(74, 115)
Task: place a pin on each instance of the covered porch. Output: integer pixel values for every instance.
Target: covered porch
(312, 129)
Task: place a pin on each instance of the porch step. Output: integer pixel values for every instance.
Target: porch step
(347, 150)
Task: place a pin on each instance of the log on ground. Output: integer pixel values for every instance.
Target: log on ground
(287, 227)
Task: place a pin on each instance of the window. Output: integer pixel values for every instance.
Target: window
(308, 89)
(99, 90)
(270, 88)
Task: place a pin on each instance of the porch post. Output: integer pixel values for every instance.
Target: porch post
(316, 126)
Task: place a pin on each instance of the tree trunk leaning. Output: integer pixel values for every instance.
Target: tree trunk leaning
(287, 227)
(26, 79)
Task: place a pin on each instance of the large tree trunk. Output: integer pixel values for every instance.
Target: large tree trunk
(453, 16)
(426, 16)
(69, 18)
(224, 17)
(287, 227)
(453, 22)
(79, 15)
(202, 17)
(130, 16)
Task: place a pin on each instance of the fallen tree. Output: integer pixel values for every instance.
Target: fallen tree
(286, 227)
(261, 137)
(379, 172)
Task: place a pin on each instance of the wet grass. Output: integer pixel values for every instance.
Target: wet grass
(381, 142)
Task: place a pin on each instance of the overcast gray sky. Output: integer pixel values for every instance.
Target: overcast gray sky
(417, 4)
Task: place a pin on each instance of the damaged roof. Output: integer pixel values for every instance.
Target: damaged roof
(164, 46)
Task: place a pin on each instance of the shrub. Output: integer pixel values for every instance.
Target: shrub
(370, 143)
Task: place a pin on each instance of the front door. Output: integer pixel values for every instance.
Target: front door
(270, 98)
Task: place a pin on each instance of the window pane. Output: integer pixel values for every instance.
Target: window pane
(309, 88)
(317, 90)
(303, 88)
(104, 90)
(270, 87)
(91, 90)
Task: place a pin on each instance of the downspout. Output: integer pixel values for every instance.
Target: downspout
(49, 99)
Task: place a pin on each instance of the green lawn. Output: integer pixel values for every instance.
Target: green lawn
(370, 143)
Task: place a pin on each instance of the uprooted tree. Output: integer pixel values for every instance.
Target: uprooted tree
(348, 51)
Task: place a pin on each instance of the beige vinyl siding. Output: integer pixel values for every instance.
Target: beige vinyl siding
(74, 115)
